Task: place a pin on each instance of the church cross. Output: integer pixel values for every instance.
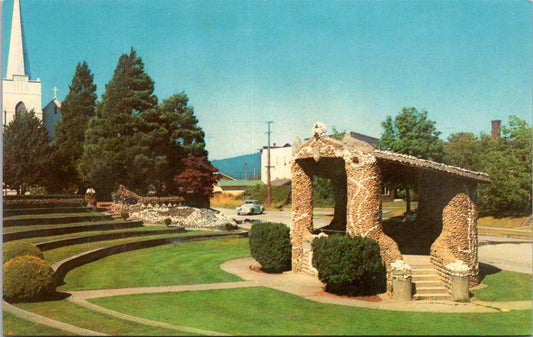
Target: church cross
(55, 92)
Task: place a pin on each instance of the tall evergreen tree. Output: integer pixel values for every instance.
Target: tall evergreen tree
(76, 110)
(26, 151)
(168, 135)
(107, 159)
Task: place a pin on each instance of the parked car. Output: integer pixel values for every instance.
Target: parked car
(250, 207)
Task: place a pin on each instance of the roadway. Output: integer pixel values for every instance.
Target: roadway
(511, 254)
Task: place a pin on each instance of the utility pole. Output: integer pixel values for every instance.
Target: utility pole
(269, 201)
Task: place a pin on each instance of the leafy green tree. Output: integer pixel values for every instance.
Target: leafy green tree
(107, 159)
(462, 150)
(26, 152)
(411, 133)
(76, 110)
(508, 162)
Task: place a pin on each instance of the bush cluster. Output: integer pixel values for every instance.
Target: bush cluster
(349, 266)
(270, 245)
(28, 278)
(22, 248)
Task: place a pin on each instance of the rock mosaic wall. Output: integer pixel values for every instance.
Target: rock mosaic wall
(302, 215)
(154, 211)
(446, 218)
(363, 209)
(458, 239)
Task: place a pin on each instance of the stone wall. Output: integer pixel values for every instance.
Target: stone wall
(154, 211)
(445, 225)
(320, 156)
(448, 204)
(302, 215)
(364, 208)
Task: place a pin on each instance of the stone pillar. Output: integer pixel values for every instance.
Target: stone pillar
(458, 239)
(364, 208)
(302, 213)
(459, 222)
(363, 216)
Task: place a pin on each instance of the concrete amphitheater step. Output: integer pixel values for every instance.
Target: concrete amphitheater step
(50, 231)
(53, 219)
(52, 244)
(43, 210)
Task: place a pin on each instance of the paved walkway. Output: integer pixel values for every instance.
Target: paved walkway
(309, 287)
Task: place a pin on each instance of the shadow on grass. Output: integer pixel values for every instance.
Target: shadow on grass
(487, 269)
(56, 296)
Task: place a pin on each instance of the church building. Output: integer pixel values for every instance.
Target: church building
(20, 93)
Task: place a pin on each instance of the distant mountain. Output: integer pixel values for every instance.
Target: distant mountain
(235, 167)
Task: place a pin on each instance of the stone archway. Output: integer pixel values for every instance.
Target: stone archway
(447, 214)
(361, 208)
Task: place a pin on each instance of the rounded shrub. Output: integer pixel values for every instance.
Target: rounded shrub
(349, 266)
(270, 245)
(22, 248)
(28, 278)
(168, 222)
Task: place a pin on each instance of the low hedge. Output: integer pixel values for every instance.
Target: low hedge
(28, 278)
(22, 248)
(349, 266)
(42, 197)
(270, 245)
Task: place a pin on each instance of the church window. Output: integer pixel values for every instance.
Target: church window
(20, 109)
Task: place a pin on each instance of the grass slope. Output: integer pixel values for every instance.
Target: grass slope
(71, 313)
(15, 326)
(183, 263)
(58, 254)
(505, 286)
(261, 311)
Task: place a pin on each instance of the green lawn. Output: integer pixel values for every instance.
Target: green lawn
(262, 311)
(38, 216)
(12, 325)
(73, 235)
(505, 286)
(23, 228)
(76, 315)
(182, 263)
(58, 254)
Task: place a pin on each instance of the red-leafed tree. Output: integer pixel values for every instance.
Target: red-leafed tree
(196, 180)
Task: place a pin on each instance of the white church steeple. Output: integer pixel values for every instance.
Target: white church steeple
(15, 61)
(19, 93)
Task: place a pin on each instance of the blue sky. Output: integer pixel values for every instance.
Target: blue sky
(346, 63)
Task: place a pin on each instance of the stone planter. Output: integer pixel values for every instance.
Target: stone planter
(460, 286)
(402, 289)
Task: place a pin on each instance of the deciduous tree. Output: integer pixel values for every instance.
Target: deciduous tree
(411, 133)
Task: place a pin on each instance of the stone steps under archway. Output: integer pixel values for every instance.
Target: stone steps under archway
(427, 283)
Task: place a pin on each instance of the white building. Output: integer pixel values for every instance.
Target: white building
(51, 115)
(280, 162)
(19, 92)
